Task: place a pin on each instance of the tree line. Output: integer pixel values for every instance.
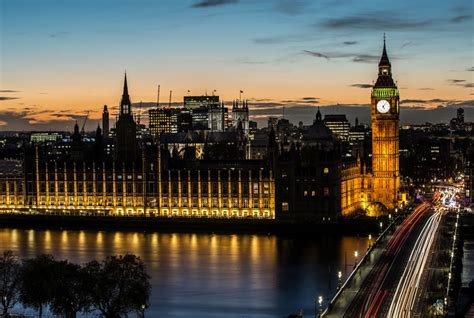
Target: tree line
(113, 287)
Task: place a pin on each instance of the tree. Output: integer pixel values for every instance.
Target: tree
(9, 281)
(70, 289)
(37, 282)
(119, 285)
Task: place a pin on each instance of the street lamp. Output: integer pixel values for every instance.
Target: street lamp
(320, 302)
(339, 277)
(143, 310)
(356, 254)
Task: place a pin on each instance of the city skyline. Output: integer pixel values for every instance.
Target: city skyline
(280, 53)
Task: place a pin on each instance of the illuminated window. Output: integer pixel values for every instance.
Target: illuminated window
(285, 207)
(313, 193)
(326, 170)
(255, 188)
(305, 193)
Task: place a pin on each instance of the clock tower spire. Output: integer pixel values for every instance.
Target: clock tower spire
(385, 113)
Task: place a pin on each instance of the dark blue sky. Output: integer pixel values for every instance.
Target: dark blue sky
(62, 57)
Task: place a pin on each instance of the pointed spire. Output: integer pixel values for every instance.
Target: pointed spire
(76, 128)
(125, 85)
(125, 104)
(384, 61)
(385, 70)
(318, 115)
(98, 131)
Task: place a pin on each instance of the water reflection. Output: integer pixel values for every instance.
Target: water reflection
(200, 275)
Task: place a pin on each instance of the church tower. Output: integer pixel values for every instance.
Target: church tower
(126, 129)
(385, 111)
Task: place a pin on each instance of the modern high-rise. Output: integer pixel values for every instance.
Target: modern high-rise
(205, 101)
(163, 120)
(338, 124)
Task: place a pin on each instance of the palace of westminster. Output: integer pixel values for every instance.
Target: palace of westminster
(208, 172)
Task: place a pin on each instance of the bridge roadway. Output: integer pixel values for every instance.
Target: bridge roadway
(371, 287)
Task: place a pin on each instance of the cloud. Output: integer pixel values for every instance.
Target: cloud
(291, 7)
(250, 61)
(426, 101)
(2, 98)
(316, 54)
(461, 18)
(404, 45)
(23, 121)
(413, 111)
(373, 21)
(212, 3)
(461, 82)
(287, 38)
(305, 112)
(301, 101)
(362, 85)
(8, 91)
(360, 58)
(349, 42)
(440, 110)
(366, 58)
(58, 34)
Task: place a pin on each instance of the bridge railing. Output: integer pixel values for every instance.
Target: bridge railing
(351, 276)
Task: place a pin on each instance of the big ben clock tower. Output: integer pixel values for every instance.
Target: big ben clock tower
(385, 111)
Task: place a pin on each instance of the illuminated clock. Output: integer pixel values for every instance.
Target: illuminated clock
(383, 106)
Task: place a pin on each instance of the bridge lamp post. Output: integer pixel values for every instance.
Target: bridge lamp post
(339, 277)
(320, 302)
(356, 254)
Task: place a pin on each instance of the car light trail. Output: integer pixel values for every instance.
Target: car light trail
(408, 286)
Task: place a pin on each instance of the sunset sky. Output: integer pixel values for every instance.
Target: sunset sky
(60, 58)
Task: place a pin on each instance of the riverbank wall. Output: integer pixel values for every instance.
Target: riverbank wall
(355, 226)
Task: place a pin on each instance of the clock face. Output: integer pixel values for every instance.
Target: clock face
(383, 106)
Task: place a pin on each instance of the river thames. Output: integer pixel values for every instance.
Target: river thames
(199, 275)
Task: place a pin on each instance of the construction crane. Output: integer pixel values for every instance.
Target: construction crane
(85, 121)
(158, 97)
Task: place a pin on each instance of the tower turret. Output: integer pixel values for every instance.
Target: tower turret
(125, 104)
(105, 121)
(126, 129)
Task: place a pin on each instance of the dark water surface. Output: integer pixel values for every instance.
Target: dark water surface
(199, 275)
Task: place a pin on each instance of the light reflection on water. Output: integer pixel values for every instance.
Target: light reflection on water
(200, 275)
